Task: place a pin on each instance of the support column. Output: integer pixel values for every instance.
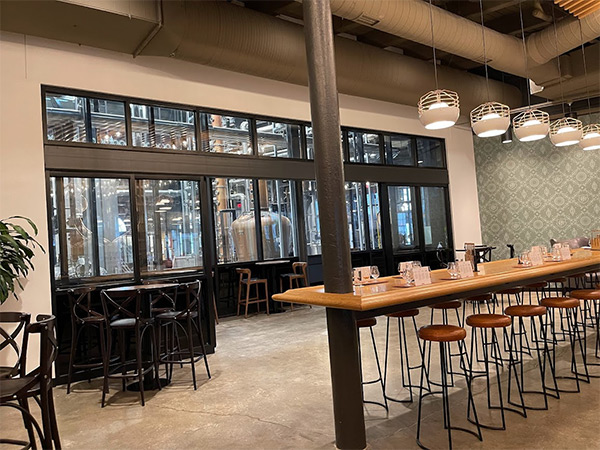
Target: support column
(337, 267)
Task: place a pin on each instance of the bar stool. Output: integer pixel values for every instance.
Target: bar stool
(444, 307)
(405, 367)
(570, 306)
(84, 317)
(370, 323)
(591, 301)
(299, 272)
(475, 302)
(538, 288)
(247, 281)
(560, 287)
(484, 323)
(576, 282)
(445, 335)
(505, 295)
(517, 351)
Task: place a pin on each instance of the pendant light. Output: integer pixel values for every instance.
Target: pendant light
(491, 118)
(590, 139)
(440, 108)
(568, 130)
(532, 124)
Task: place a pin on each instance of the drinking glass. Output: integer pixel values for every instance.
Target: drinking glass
(374, 272)
(525, 259)
(544, 250)
(453, 271)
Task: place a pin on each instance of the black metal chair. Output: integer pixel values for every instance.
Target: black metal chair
(186, 321)
(123, 312)
(84, 317)
(15, 392)
(9, 339)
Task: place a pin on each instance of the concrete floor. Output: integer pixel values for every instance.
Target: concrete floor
(271, 389)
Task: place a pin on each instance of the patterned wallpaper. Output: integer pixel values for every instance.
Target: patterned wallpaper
(531, 192)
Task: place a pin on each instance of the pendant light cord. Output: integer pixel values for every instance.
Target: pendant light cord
(524, 52)
(585, 74)
(487, 79)
(562, 93)
(433, 44)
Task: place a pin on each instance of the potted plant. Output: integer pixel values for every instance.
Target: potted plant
(16, 253)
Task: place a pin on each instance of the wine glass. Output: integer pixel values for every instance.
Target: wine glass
(453, 271)
(374, 272)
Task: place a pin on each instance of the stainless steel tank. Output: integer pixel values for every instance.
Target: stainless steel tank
(276, 231)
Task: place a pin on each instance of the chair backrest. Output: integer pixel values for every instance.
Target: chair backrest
(193, 295)
(45, 326)
(244, 273)
(300, 268)
(163, 298)
(124, 304)
(80, 300)
(9, 339)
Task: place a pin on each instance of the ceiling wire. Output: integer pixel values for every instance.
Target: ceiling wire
(562, 93)
(585, 74)
(433, 44)
(487, 80)
(524, 51)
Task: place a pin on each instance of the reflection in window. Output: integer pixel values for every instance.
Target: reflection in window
(355, 213)
(98, 226)
(277, 218)
(364, 147)
(55, 229)
(65, 118)
(402, 217)
(435, 224)
(228, 134)
(430, 152)
(277, 139)
(374, 215)
(174, 128)
(172, 224)
(141, 126)
(354, 146)
(400, 150)
(311, 217)
(108, 122)
(235, 227)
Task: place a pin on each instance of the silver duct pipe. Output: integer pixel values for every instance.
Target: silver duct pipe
(230, 37)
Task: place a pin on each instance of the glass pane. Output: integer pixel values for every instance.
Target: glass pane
(355, 211)
(98, 234)
(55, 230)
(354, 146)
(277, 218)
(65, 118)
(435, 225)
(227, 134)
(108, 122)
(430, 152)
(371, 154)
(278, 139)
(400, 150)
(311, 217)
(374, 215)
(174, 128)
(403, 217)
(172, 223)
(140, 126)
(235, 228)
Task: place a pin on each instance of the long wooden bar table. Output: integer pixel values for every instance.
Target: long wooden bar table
(378, 299)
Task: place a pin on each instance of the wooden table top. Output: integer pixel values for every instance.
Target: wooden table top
(143, 287)
(497, 274)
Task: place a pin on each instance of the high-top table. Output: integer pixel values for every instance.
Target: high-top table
(378, 299)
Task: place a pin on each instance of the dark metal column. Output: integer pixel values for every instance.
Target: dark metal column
(329, 171)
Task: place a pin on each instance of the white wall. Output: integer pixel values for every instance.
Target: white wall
(27, 62)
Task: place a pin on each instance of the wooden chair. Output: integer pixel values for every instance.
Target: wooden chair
(16, 324)
(299, 272)
(247, 281)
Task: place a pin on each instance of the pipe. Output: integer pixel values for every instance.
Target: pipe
(153, 31)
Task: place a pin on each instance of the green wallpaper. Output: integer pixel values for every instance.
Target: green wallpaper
(531, 192)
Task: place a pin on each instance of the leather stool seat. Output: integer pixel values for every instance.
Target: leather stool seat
(525, 310)
(560, 302)
(407, 313)
(442, 333)
(540, 285)
(586, 294)
(488, 321)
(511, 291)
(480, 298)
(454, 304)
(364, 323)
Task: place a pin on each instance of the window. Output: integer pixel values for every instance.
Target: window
(279, 140)
(311, 217)
(141, 126)
(372, 190)
(55, 229)
(228, 134)
(174, 128)
(403, 217)
(435, 223)
(235, 226)
(363, 147)
(172, 224)
(354, 146)
(108, 122)
(277, 218)
(65, 118)
(400, 150)
(98, 227)
(355, 213)
(430, 152)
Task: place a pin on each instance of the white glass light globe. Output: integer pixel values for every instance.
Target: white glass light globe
(439, 109)
(490, 119)
(591, 137)
(566, 131)
(531, 125)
